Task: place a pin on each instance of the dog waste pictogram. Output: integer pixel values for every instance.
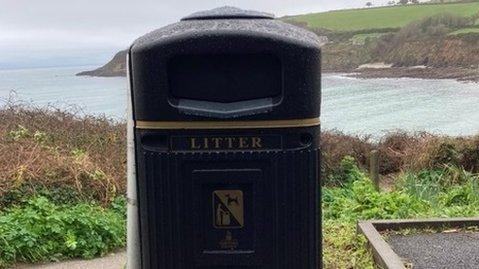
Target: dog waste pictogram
(228, 209)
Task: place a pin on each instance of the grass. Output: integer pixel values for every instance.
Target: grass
(381, 18)
(465, 31)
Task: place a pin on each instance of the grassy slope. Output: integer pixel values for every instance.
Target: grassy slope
(381, 18)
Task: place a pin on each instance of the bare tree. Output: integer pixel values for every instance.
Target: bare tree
(369, 4)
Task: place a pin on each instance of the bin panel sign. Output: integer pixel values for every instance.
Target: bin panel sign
(228, 209)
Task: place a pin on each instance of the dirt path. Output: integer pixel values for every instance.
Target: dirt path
(111, 261)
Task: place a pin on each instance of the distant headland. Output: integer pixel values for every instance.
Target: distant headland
(116, 67)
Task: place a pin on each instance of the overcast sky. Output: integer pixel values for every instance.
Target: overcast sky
(72, 32)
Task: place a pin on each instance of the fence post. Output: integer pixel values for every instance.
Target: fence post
(374, 168)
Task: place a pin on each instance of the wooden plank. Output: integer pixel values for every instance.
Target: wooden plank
(382, 252)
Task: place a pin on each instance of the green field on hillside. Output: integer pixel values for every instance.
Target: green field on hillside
(381, 18)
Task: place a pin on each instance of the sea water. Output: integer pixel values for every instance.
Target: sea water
(353, 106)
(60, 88)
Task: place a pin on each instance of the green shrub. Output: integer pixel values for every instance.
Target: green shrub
(362, 202)
(60, 195)
(430, 185)
(461, 195)
(437, 25)
(346, 173)
(424, 185)
(450, 191)
(39, 230)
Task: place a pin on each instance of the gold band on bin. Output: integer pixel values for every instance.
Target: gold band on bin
(253, 124)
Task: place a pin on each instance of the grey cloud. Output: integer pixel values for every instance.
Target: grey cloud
(35, 26)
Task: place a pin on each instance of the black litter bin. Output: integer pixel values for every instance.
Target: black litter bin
(226, 108)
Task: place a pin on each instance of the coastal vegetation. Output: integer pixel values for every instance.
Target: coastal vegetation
(63, 180)
(62, 185)
(60, 155)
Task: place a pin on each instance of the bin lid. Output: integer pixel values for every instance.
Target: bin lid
(226, 63)
(228, 12)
